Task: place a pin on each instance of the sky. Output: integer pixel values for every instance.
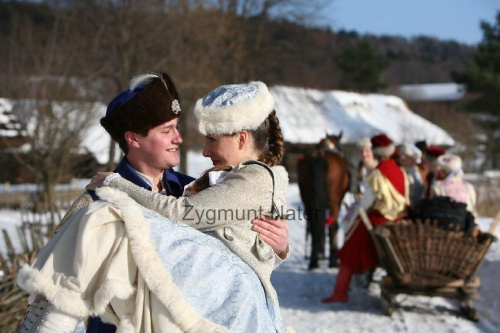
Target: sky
(457, 20)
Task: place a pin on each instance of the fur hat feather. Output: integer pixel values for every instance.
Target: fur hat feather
(141, 79)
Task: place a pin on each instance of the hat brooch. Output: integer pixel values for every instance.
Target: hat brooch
(176, 107)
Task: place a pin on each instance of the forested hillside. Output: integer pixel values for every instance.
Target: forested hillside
(89, 49)
(210, 44)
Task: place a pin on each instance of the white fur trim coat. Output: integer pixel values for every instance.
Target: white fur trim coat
(102, 263)
(227, 209)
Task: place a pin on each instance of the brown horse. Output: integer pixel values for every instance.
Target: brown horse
(323, 179)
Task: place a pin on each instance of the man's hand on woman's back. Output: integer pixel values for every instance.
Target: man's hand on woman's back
(274, 233)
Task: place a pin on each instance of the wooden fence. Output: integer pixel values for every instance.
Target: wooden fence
(23, 199)
(33, 232)
(14, 300)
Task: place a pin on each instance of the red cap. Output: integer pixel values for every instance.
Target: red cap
(434, 151)
(381, 140)
(382, 145)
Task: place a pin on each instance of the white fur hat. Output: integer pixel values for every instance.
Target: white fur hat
(364, 143)
(449, 162)
(232, 108)
(410, 151)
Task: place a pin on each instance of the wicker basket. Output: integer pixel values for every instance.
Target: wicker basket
(420, 253)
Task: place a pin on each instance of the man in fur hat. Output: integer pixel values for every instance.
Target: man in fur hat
(409, 158)
(144, 121)
(433, 168)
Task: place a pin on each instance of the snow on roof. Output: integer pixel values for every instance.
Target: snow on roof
(435, 92)
(306, 115)
(95, 139)
(9, 123)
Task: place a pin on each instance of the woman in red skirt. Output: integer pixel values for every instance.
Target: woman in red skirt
(386, 199)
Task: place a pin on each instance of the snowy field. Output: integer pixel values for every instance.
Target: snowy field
(310, 114)
(300, 292)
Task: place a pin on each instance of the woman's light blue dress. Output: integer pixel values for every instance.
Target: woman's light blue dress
(214, 281)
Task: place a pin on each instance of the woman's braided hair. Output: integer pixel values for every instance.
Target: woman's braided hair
(268, 139)
(269, 133)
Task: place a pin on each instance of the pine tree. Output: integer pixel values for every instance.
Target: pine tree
(482, 78)
(482, 73)
(361, 68)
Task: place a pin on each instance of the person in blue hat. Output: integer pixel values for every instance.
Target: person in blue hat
(144, 122)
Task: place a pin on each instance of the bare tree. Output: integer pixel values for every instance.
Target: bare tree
(194, 42)
(201, 43)
(52, 103)
(132, 36)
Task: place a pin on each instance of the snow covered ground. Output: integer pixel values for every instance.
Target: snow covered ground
(300, 292)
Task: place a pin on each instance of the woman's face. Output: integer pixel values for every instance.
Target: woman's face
(223, 149)
(366, 155)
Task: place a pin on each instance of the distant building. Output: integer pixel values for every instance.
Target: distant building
(12, 136)
(307, 115)
(432, 92)
(14, 141)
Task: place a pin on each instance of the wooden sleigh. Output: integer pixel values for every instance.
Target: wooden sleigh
(421, 259)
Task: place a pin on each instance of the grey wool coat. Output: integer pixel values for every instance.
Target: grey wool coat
(227, 209)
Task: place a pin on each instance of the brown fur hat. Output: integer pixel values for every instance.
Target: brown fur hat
(151, 100)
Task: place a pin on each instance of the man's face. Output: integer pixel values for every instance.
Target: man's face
(406, 161)
(430, 164)
(159, 150)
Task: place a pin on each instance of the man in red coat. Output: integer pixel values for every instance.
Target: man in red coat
(386, 199)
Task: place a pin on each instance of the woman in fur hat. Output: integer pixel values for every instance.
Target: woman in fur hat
(367, 163)
(452, 184)
(386, 198)
(432, 168)
(160, 275)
